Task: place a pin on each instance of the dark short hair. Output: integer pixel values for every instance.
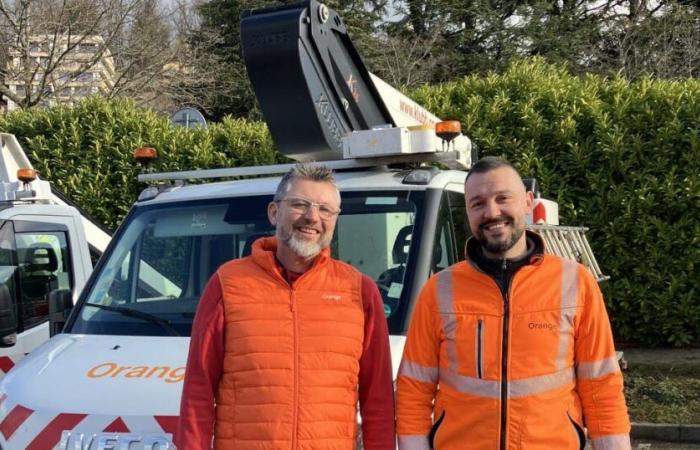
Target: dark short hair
(304, 171)
(489, 163)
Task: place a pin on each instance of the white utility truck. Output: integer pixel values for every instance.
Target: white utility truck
(45, 244)
(112, 379)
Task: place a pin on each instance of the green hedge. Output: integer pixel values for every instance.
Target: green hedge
(621, 158)
(86, 150)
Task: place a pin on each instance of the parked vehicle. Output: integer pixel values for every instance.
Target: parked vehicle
(113, 377)
(45, 244)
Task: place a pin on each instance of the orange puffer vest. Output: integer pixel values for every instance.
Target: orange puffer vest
(292, 355)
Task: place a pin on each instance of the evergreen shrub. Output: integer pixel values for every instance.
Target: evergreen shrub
(622, 158)
(86, 150)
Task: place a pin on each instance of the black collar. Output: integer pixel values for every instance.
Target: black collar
(496, 267)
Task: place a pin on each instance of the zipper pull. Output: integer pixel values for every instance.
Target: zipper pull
(291, 301)
(504, 264)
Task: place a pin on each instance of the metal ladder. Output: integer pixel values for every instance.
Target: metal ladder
(570, 243)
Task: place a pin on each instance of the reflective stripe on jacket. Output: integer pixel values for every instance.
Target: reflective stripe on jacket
(292, 355)
(456, 389)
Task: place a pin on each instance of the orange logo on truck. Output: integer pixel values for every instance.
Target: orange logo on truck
(114, 370)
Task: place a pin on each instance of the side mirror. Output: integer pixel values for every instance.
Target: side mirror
(8, 318)
(60, 304)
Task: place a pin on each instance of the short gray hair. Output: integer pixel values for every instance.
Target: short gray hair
(305, 171)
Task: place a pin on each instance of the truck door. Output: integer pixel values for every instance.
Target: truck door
(37, 258)
(440, 243)
(44, 265)
(451, 232)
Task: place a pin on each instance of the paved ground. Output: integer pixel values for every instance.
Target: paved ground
(653, 445)
(671, 358)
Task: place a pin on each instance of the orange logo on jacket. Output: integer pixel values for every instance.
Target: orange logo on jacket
(114, 370)
(541, 326)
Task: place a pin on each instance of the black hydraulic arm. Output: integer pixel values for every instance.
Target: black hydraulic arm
(311, 83)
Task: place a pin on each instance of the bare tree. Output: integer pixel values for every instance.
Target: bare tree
(193, 77)
(634, 37)
(407, 59)
(66, 49)
(663, 42)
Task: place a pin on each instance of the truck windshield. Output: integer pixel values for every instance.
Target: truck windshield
(151, 281)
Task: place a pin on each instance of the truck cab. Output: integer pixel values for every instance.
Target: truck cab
(391, 229)
(116, 370)
(43, 247)
(114, 375)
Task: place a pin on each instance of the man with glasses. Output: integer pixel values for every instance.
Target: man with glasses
(286, 341)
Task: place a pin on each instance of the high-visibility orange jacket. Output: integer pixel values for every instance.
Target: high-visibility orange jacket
(524, 367)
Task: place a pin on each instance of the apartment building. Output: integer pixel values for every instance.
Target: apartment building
(65, 67)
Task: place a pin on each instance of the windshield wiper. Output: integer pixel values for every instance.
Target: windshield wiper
(138, 315)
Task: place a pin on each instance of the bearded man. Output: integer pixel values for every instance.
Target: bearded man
(286, 341)
(512, 348)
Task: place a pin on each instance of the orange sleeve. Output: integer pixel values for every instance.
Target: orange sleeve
(599, 379)
(376, 390)
(204, 367)
(418, 373)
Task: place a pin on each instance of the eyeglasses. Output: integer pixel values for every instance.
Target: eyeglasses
(302, 206)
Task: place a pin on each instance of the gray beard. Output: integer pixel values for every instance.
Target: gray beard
(305, 250)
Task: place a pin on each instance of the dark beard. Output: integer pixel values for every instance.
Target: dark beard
(500, 246)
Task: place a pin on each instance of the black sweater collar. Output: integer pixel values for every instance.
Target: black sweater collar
(496, 267)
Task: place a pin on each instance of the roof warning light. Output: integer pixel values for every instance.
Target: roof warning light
(26, 176)
(448, 130)
(145, 155)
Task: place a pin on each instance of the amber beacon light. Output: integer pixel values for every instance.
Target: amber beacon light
(26, 175)
(145, 155)
(448, 130)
